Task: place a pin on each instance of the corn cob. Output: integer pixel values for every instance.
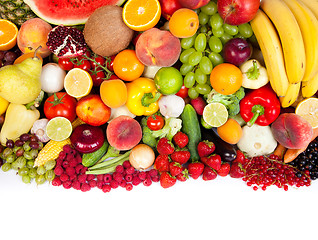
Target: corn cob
(77, 122)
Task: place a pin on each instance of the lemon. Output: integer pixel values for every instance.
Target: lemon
(78, 83)
(308, 109)
(59, 128)
(215, 114)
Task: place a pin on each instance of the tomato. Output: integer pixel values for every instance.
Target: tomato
(98, 76)
(83, 64)
(60, 104)
(100, 60)
(155, 122)
(110, 63)
(65, 64)
(183, 92)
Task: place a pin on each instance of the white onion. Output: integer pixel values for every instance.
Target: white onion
(52, 78)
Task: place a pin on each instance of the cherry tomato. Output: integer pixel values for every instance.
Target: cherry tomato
(83, 64)
(65, 64)
(98, 76)
(100, 60)
(183, 92)
(110, 64)
(60, 104)
(155, 122)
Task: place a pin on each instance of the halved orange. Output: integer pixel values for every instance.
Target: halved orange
(8, 35)
(78, 83)
(141, 15)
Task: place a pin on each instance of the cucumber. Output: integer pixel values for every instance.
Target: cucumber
(191, 127)
(89, 159)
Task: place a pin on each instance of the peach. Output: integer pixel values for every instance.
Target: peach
(157, 47)
(32, 34)
(193, 4)
(292, 131)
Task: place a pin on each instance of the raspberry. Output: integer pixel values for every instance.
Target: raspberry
(65, 164)
(73, 177)
(130, 170)
(82, 178)
(107, 178)
(128, 177)
(126, 164)
(78, 158)
(155, 178)
(56, 181)
(62, 155)
(100, 177)
(59, 162)
(100, 184)
(92, 183)
(70, 157)
(129, 186)
(58, 171)
(142, 175)
(67, 184)
(117, 176)
(76, 185)
(73, 163)
(147, 182)
(64, 177)
(67, 148)
(114, 184)
(83, 170)
(122, 183)
(153, 172)
(119, 169)
(70, 171)
(78, 168)
(85, 187)
(90, 177)
(136, 180)
(106, 188)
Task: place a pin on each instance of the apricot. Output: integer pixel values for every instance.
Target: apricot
(32, 34)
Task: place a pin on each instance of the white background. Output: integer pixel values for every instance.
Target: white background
(223, 208)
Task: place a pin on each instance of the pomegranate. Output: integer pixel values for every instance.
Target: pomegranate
(66, 42)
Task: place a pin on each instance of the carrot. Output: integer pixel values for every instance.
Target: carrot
(291, 154)
(280, 151)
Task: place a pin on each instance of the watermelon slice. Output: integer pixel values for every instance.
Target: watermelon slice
(67, 12)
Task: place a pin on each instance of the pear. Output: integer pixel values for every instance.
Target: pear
(20, 83)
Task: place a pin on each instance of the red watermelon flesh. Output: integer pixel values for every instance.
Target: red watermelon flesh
(67, 12)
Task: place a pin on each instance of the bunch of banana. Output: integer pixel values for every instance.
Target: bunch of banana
(292, 28)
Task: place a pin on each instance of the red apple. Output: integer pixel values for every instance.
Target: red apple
(236, 12)
(168, 7)
(193, 4)
(237, 51)
(92, 110)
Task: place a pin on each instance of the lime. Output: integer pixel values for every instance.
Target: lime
(215, 114)
(59, 128)
(168, 80)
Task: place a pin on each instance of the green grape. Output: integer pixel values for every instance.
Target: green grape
(195, 58)
(185, 68)
(26, 179)
(216, 21)
(215, 44)
(32, 173)
(28, 155)
(230, 29)
(26, 146)
(6, 167)
(206, 65)
(189, 80)
(30, 164)
(49, 175)
(199, 76)
(245, 30)
(16, 148)
(203, 88)
(184, 56)
(216, 58)
(188, 42)
(50, 164)
(203, 18)
(40, 179)
(203, 29)
(11, 158)
(239, 36)
(14, 165)
(193, 93)
(218, 32)
(23, 171)
(41, 170)
(200, 42)
(34, 153)
(20, 161)
(210, 8)
(7, 152)
(225, 37)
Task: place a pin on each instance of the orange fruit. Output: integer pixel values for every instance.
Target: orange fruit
(226, 78)
(127, 66)
(184, 23)
(141, 15)
(308, 109)
(231, 131)
(113, 93)
(8, 35)
(25, 56)
(78, 83)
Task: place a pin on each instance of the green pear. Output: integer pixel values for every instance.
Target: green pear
(20, 83)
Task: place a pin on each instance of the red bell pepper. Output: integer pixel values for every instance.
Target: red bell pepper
(260, 106)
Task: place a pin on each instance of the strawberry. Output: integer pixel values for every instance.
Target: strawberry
(183, 176)
(240, 157)
(195, 169)
(209, 173)
(166, 180)
(224, 170)
(237, 170)
(180, 156)
(214, 161)
(164, 146)
(181, 139)
(175, 168)
(162, 163)
(205, 148)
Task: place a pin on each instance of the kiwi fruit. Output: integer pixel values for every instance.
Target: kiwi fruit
(105, 32)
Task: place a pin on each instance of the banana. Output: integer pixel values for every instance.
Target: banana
(290, 36)
(312, 5)
(309, 88)
(291, 95)
(308, 24)
(271, 49)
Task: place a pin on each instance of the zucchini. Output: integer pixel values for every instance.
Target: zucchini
(191, 127)
(89, 159)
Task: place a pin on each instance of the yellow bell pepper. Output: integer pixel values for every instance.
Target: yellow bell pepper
(142, 97)
(3, 105)
(18, 120)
